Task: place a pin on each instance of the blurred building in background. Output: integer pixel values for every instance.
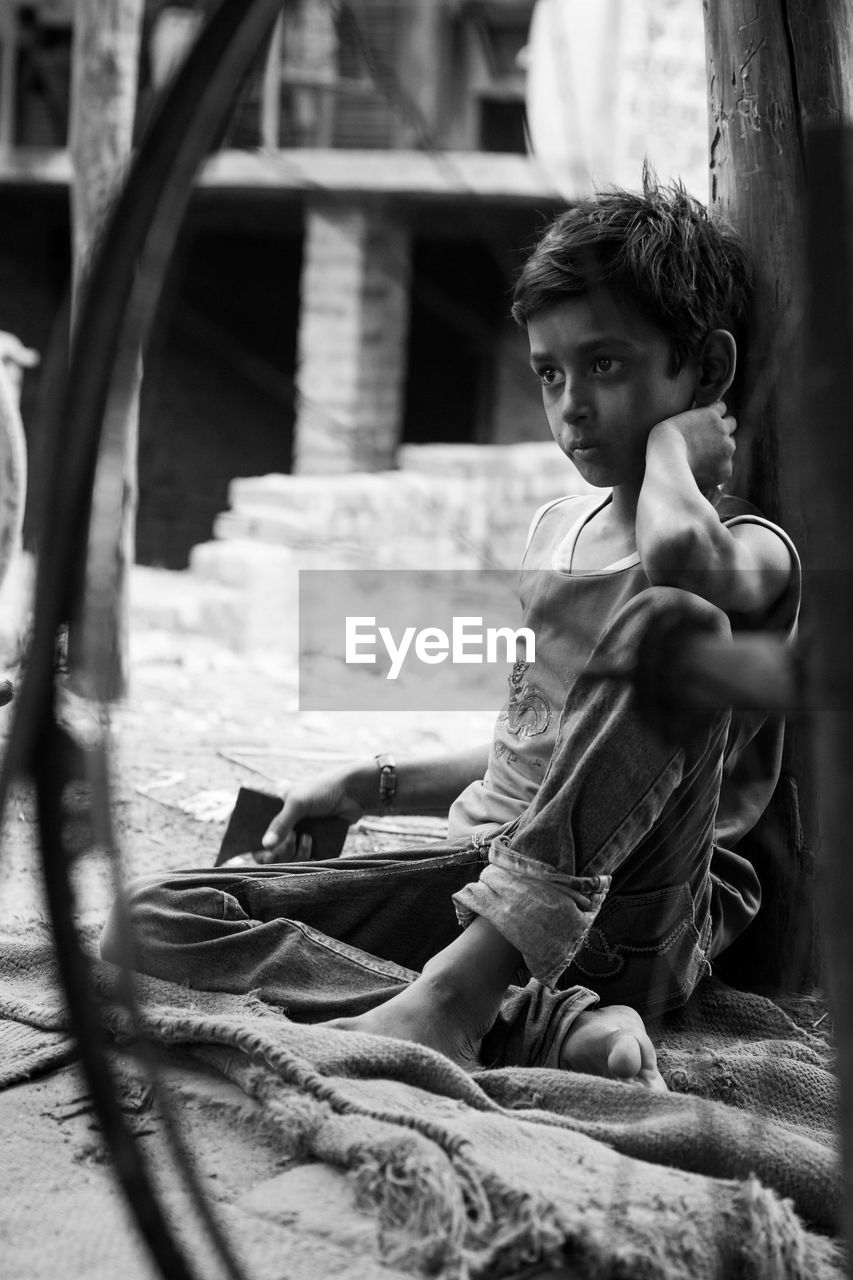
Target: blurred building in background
(340, 293)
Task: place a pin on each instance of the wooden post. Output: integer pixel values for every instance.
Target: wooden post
(107, 36)
(775, 67)
(756, 183)
(8, 75)
(271, 90)
(424, 72)
(829, 394)
(13, 468)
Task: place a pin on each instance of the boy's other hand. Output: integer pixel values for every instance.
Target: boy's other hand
(331, 795)
(708, 433)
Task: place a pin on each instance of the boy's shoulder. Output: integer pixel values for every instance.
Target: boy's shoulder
(733, 511)
(783, 614)
(561, 513)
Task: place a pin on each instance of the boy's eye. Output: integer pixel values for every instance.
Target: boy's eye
(605, 364)
(548, 375)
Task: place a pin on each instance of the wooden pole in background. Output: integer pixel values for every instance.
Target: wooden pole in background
(271, 89)
(8, 75)
(425, 73)
(107, 35)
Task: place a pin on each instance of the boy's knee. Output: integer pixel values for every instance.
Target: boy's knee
(651, 635)
(658, 618)
(671, 606)
(157, 915)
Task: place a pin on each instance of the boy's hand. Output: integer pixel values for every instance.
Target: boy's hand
(332, 795)
(708, 435)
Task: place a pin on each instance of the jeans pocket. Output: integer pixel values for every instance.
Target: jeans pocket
(645, 949)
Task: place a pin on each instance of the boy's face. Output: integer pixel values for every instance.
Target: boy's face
(606, 380)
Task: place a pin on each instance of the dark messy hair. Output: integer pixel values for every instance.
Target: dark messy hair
(661, 250)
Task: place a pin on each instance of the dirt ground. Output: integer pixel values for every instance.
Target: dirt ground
(200, 720)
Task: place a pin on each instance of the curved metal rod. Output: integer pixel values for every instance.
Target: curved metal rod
(114, 319)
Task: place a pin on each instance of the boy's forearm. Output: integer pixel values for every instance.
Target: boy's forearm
(679, 535)
(426, 784)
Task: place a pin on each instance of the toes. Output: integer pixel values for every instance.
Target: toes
(624, 1057)
(632, 1057)
(654, 1080)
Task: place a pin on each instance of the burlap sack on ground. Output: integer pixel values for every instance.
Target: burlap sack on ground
(734, 1173)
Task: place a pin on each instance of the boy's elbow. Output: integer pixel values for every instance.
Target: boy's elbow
(672, 559)
(692, 561)
(717, 574)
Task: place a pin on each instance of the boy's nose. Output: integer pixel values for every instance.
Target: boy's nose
(574, 403)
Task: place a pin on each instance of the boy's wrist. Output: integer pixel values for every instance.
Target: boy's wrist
(670, 462)
(363, 784)
(665, 435)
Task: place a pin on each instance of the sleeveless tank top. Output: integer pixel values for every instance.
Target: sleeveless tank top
(567, 612)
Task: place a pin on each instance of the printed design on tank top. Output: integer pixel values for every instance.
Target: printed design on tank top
(528, 711)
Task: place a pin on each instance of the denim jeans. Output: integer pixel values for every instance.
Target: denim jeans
(605, 877)
(603, 885)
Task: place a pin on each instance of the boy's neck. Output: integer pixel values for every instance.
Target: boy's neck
(623, 506)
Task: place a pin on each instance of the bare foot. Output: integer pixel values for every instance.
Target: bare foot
(429, 1013)
(612, 1042)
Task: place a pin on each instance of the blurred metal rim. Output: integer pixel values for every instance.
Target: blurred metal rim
(112, 325)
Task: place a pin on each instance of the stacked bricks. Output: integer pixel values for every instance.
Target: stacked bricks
(449, 507)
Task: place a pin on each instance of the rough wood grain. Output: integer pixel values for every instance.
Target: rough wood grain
(107, 37)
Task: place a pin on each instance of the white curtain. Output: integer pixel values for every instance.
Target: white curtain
(611, 82)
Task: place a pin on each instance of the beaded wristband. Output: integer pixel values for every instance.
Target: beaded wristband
(387, 782)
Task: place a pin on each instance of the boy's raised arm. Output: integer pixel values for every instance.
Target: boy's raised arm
(680, 538)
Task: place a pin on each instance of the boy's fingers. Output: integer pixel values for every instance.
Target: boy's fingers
(278, 848)
(280, 830)
(280, 842)
(285, 851)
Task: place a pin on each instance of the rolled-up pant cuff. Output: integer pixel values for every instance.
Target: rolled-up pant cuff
(543, 913)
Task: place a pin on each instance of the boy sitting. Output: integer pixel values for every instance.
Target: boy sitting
(586, 852)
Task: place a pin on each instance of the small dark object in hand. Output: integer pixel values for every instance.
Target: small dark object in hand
(252, 814)
(7, 692)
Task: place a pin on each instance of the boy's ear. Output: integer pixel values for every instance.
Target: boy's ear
(717, 364)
